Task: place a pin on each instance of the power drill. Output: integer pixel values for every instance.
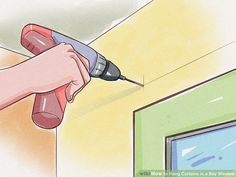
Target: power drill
(49, 108)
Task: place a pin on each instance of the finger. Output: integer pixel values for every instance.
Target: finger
(83, 71)
(72, 90)
(83, 60)
(80, 80)
(69, 48)
(61, 45)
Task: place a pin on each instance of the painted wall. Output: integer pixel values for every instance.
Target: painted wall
(25, 150)
(95, 138)
(205, 105)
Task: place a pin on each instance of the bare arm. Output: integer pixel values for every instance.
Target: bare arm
(56, 67)
(14, 85)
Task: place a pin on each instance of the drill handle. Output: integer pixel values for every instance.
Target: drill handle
(36, 39)
(48, 110)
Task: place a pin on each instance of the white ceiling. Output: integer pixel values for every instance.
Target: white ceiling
(81, 19)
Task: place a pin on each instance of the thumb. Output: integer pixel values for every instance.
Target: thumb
(71, 91)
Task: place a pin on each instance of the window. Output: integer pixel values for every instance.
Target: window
(210, 148)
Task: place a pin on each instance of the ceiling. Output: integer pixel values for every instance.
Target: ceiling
(77, 18)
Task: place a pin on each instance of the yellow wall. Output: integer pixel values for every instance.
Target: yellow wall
(25, 150)
(95, 138)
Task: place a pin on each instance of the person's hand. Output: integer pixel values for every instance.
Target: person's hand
(56, 67)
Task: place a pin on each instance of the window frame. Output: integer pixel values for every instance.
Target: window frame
(207, 129)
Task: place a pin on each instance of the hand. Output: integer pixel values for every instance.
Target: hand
(58, 66)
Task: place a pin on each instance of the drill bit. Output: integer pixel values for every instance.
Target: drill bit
(129, 80)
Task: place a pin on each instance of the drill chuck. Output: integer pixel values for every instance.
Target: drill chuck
(111, 72)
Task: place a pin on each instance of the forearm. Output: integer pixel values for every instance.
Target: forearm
(52, 69)
(14, 85)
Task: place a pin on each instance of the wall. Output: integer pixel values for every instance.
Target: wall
(205, 105)
(95, 138)
(25, 150)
